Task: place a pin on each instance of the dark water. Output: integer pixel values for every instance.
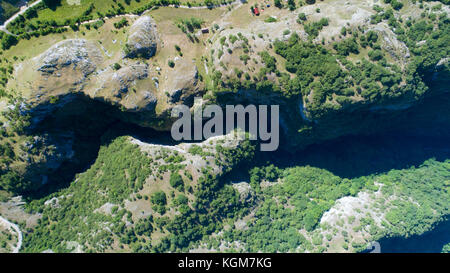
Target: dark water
(430, 242)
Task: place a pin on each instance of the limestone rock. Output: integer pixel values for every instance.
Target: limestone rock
(246, 193)
(77, 53)
(183, 81)
(397, 49)
(66, 66)
(142, 39)
(118, 82)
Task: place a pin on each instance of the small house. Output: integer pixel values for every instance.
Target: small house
(205, 30)
(256, 11)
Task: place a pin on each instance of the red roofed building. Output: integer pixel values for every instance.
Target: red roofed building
(256, 11)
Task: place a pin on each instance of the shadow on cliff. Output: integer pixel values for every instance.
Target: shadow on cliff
(92, 123)
(356, 156)
(421, 133)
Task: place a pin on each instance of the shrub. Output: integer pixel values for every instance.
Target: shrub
(121, 23)
(270, 19)
(375, 55)
(176, 181)
(301, 17)
(117, 66)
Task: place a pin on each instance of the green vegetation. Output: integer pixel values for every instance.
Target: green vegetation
(297, 202)
(159, 201)
(319, 73)
(394, 3)
(7, 9)
(122, 23)
(7, 240)
(278, 4)
(116, 66)
(120, 169)
(12, 180)
(41, 20)
(446, 248)
(244, 58)
(228, 157)
(291, 5)
(270, 19)
(7, 41)
(332, 76)
(431, 198)
(301, 18)
(269, 61)
(189, 26)
(306, 193)
(178, 49)
(134, 201)
(197, 150)
(311, 192)
(176, 181)
(118, 175)
(314, 28)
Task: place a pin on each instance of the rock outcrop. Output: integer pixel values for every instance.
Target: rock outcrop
(210, 157)
(66, 65)
(396, 49)
(78, 53)
(246, 194)
(119, 87)
(81, 80)
(183, 81)
(142, 39)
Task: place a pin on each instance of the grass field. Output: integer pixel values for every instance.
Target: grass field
(70, 9)
(111, 41)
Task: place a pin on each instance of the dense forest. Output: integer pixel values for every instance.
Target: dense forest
(284, 200)
(129, 196)
(330, 81)
(7, 9)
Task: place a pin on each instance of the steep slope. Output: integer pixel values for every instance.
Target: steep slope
(336, 69)
(125, 202)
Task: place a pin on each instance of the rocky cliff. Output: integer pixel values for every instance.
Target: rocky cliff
(378, 68)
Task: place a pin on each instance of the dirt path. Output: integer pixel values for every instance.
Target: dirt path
(10, 226)
(130, 15)
(204, 7)
(23, 9)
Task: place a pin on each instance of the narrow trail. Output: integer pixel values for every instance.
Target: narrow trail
(131, 15)
(23, 9)
(14, 227)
